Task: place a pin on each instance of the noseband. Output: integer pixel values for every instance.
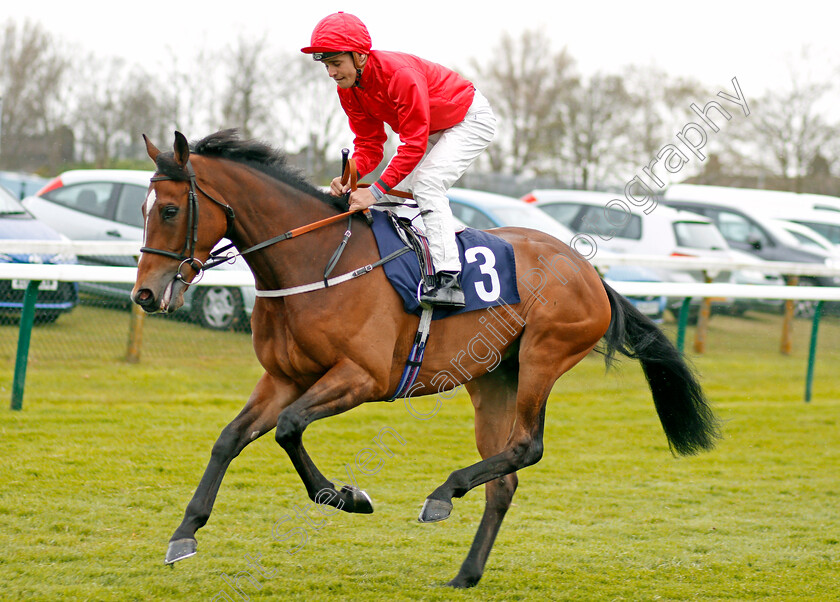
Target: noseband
(187, 253)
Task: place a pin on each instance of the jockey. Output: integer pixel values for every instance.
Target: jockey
(443, 123)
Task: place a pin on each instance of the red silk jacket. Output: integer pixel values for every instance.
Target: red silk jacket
(414, 97)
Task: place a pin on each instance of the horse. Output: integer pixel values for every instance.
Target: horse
(331, 349)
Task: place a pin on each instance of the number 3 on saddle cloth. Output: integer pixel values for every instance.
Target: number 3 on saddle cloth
(488, 274)
(488, 277)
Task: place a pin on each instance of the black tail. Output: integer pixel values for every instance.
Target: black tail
(686, 417)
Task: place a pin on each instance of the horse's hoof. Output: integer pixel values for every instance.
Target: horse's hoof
(180, 549)
(362, 503)
(460, 582)
(435, 510)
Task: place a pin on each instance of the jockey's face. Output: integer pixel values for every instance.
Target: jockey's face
(342, 68)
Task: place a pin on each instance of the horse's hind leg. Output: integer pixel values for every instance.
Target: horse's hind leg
(494, 398)
(257, 418)
(543, 358)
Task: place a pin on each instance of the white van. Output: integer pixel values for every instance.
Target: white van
(768, 201)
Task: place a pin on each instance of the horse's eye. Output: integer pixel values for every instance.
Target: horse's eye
(169, 212)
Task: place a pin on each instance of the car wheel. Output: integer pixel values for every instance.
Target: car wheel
(217, 307)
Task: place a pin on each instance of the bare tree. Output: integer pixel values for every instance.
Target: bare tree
(247, 94)
(97, 117)
(597, 127)
(32, 71)
(187, 94)
(788, 127)
(309, 117)
(525, 82)
(141, 112)
(115, 105)
(660, 106)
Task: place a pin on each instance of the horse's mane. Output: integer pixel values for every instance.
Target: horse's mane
(226, 144)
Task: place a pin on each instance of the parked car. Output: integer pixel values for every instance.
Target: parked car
(755, 277)
(766, 201)
(810, 237)
(54, 297)
(21, 184)
(826, 223)
(106, 205)
(653, 306)
(629, 230)
(751, 230)
(485, 210)
(818, 211)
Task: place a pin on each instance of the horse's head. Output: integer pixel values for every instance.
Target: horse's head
(180, 229)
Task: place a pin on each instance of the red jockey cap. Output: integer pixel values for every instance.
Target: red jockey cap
(339, 32)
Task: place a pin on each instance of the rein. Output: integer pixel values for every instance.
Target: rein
(187, 253)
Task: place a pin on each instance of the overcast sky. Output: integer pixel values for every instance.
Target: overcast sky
(711, 40)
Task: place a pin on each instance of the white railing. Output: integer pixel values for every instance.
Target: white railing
(77, 272)
(74, 273)
(86, 273)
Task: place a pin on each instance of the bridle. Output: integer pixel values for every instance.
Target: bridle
(187, 253)
(217, 257)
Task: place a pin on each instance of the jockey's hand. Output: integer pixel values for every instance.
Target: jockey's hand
(361, 198)
(336, 188)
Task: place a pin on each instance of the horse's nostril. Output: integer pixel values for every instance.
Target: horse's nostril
(144, 297)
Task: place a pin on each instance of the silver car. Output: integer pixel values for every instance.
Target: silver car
(104, 204)
(484, 210)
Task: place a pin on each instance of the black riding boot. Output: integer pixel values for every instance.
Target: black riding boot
(447, 291)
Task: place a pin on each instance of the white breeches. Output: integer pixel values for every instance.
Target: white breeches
(448, 155)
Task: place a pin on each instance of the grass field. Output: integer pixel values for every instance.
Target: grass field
(99, 465)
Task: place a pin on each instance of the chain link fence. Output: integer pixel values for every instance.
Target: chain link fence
(99, 331)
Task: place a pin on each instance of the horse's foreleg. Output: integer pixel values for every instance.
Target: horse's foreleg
(257, 418)
(494, 398)
(342, 388)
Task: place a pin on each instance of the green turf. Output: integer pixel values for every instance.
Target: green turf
(99, 465)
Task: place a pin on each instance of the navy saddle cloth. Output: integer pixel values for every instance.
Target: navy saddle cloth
(488, 274)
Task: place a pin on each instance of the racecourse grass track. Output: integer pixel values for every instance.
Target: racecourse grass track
(98, 467)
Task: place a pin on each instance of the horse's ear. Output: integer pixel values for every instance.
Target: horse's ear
(182, 149)
(151, 148)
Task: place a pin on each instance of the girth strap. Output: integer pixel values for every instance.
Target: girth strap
(415, 356)
(314, 286)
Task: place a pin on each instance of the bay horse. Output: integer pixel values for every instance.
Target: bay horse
(329, 350)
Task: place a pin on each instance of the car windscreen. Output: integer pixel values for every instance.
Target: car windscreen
(531, 217)
(807, 241)
(699, 235)
(610, 222)
(9, 205)
(565, 213)
(829, 231)
(471, 216)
